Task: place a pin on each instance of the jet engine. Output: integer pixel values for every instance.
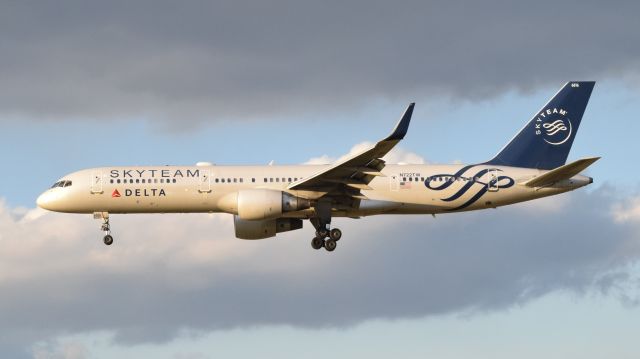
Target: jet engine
(260, 229)
(260, 204)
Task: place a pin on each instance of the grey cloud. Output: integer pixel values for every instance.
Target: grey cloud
(170, 273)
(192, 61)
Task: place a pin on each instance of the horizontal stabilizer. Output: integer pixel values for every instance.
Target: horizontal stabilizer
(561, 173)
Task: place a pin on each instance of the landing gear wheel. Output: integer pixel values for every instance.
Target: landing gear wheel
(108, 240)
(335, 234)
(322, 233)
(330, 245)
(317, 243)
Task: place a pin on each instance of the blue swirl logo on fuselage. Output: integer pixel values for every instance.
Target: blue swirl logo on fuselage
(441, 182)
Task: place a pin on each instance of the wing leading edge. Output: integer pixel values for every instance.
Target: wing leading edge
(348, 177)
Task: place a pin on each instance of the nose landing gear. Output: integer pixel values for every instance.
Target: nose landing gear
(106, 228)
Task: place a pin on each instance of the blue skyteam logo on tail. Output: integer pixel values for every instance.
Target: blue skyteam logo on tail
(545, 141)
(553, 126)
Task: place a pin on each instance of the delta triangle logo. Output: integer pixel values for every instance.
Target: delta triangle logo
(115, 194)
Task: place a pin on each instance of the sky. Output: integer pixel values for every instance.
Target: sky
(89, 84)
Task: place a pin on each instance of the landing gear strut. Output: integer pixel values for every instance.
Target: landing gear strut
(106, 228)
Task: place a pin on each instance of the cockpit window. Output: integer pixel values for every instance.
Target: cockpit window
(62, 184)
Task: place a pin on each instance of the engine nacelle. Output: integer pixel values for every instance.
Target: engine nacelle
(248, 229)
(258, 204)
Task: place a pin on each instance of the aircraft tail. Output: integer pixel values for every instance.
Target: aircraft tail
(545, 141)
(561, 173)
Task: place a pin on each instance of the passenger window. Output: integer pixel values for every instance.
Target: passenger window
(253, 180)
(111, 180)
(174, 180)
(277, 179)
(217, 180)
(118, 180)
(137, 180)
(265, 180)
(240, 180)
(235, 180)
(270, 179)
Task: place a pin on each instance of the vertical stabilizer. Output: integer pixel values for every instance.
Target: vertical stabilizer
(545, 141)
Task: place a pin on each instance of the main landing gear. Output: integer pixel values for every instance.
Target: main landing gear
(324, 237)
(106, 228)
(321, 222)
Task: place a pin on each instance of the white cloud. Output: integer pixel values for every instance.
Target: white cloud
(627, 211)
(166, 273)
(57, 350)
(397, 155)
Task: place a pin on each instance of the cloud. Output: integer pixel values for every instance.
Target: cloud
(628, 210)
(193, 61)
(67, 350)
(397, 155)
(167, 273)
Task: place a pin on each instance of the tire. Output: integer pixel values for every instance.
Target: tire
(317, 243)
(330, 245)
(108, 240)
(335, 234)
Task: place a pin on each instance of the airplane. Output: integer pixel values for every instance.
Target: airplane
(271, 199)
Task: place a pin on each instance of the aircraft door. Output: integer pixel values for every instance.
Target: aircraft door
(394, 183)
(492, 183)
(204, 181)
(96, 182)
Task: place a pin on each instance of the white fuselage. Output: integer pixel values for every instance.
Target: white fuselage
(402, 189)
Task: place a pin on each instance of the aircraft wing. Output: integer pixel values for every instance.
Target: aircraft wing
(347, 177)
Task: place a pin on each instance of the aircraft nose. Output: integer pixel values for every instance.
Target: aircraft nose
(42, 201)
(45, 200)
